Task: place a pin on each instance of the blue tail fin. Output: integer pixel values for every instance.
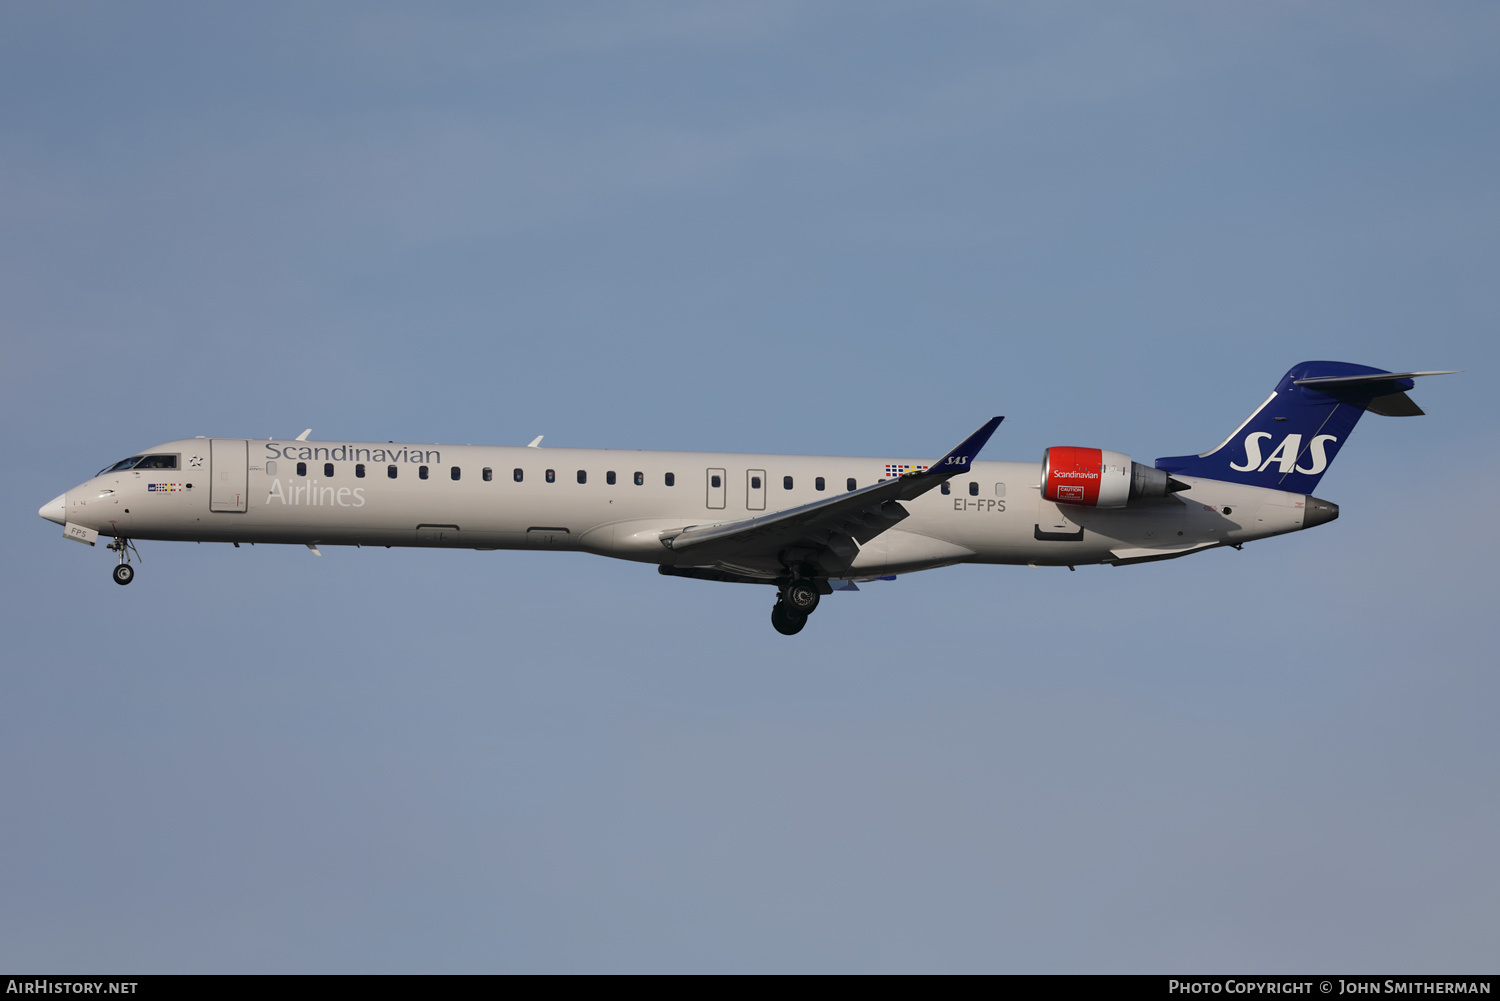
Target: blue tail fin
(1292, 439)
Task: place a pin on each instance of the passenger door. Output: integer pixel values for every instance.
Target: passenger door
(228, 474)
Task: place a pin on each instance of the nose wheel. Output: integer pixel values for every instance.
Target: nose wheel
(123, 573)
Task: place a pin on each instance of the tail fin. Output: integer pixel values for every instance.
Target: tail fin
(1293, 437)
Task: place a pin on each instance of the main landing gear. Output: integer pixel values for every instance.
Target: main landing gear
(795, 603)
(123, 572)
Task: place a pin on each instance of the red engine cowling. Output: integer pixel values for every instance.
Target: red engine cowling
(1097, 477)
(1091, 477)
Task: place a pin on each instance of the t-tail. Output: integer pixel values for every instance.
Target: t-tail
(1293, 437)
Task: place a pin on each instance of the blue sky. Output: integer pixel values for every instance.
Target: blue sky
(793, 227)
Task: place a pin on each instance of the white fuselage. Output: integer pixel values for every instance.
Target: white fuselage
(619, 503)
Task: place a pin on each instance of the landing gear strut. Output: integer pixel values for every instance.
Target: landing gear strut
(123, 572)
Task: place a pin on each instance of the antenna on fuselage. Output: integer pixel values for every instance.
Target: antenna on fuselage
(304, 434)
(535, 442)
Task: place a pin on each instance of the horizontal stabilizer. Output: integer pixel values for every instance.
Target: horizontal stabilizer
(1354, 380)
(1394, 405)
(1382, 393)
(1291, 438)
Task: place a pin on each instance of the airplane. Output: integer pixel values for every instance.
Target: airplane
(807, 525)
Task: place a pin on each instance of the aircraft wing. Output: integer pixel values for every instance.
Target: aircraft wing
(827, 533)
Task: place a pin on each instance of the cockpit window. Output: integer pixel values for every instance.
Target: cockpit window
(141, 462)
(157, 462)
(122, 464)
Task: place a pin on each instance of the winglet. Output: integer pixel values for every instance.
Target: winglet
(915, 484)
(957, 460)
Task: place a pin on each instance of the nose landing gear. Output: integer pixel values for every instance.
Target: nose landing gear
(123, 572)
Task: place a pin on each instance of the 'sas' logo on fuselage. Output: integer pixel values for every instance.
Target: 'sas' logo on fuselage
(1286, 454)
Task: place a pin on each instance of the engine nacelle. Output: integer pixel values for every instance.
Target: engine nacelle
(1097, 477)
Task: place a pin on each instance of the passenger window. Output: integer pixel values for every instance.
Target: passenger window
(849, 484)
(454, 473)
(301, 469)
(359, 470)
(390, 471)
(270, 467)
(786, 483)
(671, 479)
(999, 489)
(551, 476)
(973, 489)
(715, 482)
(488, 474)
(583, 477)
(946, 488)
(818, 483)
(640, 479)
(609, 477)
(517, 475)
(421, 472)
(755, 483)
(328, 470)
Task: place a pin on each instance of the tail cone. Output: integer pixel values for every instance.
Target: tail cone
(1319, 512)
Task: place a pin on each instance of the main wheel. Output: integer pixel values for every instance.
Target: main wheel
(786, 621)
(801, 597)
(124, 573)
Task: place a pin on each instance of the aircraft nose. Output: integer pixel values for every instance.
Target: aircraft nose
(55, 510)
